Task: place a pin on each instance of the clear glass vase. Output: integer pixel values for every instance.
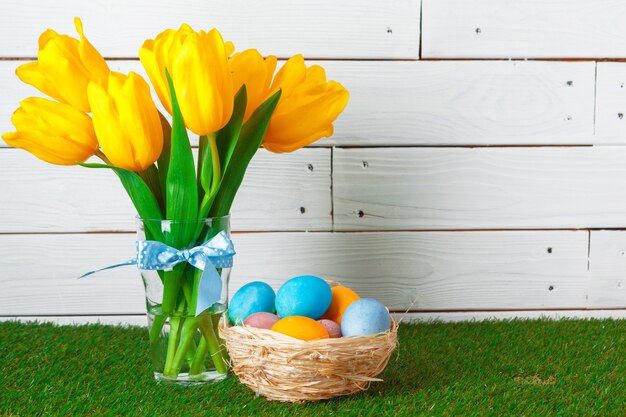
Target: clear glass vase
(186, 349)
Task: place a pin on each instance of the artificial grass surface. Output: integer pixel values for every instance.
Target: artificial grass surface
(532, 368)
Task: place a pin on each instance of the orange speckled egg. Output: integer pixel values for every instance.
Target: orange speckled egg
(342, 298)
(301, 327)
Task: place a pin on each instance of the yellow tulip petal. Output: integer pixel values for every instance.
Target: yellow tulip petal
(197, 93)
(297, 123)
(30, 74)
(65, 66)
(126, 121)
(139, 119)
(251, 69)
(56, 119)
(94, 63)
(198, 65)
(54, 150)
(291, 74)
(45, 37)
(230, 48)
(107, 127)
(315, 75)
(60, 66)
(155, 73)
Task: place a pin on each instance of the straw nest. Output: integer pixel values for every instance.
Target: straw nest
(282, 368)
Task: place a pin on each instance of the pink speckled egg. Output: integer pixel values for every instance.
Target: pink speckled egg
(334, 330)
(261, 320)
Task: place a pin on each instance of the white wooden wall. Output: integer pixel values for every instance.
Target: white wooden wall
(478, 171)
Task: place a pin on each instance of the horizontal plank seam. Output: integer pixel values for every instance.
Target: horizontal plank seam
(393, 145)
(519, 59)
(508, 145)
(130, 232)
(391, 311)
(280, 58)
(408, 59)
(510, 310)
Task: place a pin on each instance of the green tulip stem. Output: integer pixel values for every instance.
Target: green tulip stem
(176, 322)
(157, 326)
(197, 363)
(172, 342)
(208, 331)
(171, 288)
(217, 170)
(189, 328)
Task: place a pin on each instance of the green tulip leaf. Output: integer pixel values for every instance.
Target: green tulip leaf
(228, 136)
(164, 159)
(250, 139)
(151, 178)
(181, 188)
(226, 140)
(139, 193)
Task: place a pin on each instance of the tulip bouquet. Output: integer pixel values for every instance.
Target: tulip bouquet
(236, 102)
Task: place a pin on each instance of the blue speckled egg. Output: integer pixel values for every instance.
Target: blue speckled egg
(252, 298)
(365, 316)
(306, 296)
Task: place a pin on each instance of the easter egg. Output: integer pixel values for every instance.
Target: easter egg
(261, 320)
(342, 298)
(251, 298)
(333, 329)
(306, 295)
(365, 316)
(301, 327)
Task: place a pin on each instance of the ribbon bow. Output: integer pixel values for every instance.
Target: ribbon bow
(218, 252)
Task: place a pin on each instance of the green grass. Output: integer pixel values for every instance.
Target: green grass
(532, 368)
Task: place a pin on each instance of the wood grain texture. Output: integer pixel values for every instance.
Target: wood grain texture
(611, 103)
(434, 103)
(404, 270)
(607, 268)
(321, 29)
(523, 29)
(414, 317)
(479, 188)
(38, 197)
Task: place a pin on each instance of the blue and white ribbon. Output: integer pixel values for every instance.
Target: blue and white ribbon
(218, 252)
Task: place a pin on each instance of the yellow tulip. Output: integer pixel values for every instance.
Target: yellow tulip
(54, 132)
(251, 69)
(126, 121)
(307, 108)
(198, 65)
(65, 67)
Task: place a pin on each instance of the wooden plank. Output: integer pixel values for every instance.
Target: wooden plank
(611, 103)
(322, 29)
(523, 29)
(279, 192)
(479, 188)
(607, 269)
(435, 103)
(405, 270)
(414, 317)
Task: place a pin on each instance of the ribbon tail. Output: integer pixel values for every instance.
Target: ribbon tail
(131, 262)
(209, 287)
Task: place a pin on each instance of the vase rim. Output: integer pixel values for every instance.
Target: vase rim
(195, 220)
